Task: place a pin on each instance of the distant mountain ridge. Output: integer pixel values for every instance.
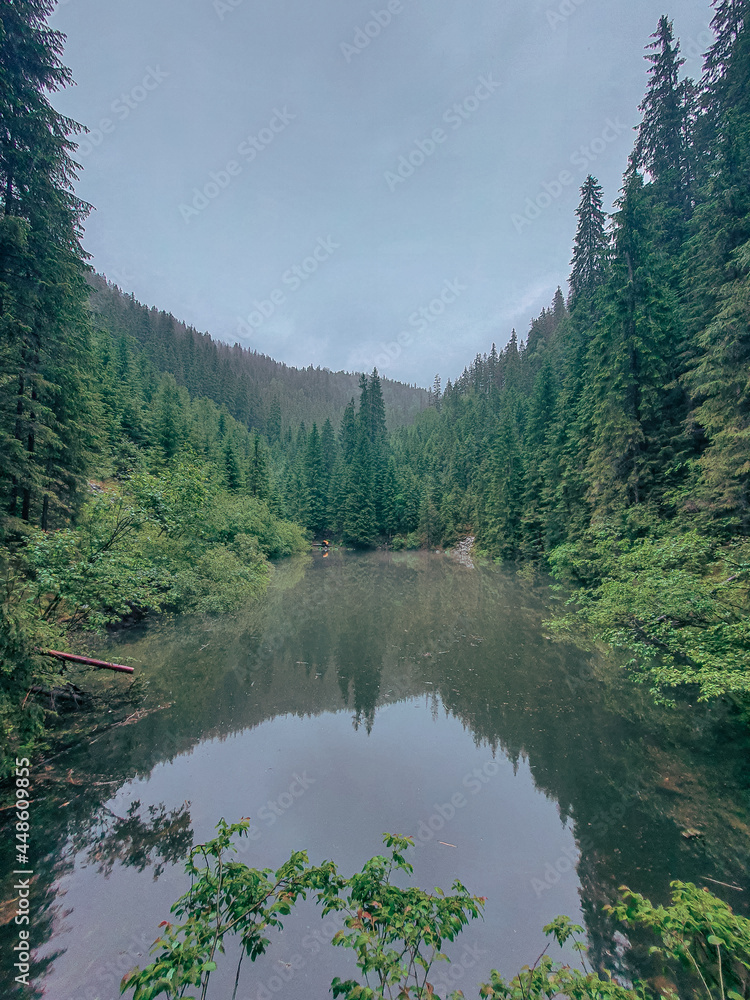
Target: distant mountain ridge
(256, 389)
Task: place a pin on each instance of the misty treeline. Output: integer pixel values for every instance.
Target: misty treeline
(144, 466)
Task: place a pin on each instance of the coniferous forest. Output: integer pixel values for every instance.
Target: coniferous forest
(145, 466)
(148, 468)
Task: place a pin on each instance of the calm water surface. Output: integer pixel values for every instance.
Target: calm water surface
(372, 693)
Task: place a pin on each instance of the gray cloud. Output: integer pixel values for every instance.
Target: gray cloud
(564, 67)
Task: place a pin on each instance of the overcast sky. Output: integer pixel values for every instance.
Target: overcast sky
(353, 182)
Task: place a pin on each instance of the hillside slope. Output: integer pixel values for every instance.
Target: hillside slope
(256, 390)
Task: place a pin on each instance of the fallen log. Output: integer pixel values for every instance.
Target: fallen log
(100, 664)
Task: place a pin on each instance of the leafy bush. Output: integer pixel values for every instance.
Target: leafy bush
(679, 604)
(230, 515)
(397, 934)
(20, 720)
(173, 540)
(219, 581)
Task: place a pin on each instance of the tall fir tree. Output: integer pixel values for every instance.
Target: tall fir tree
(591, 250)
(631, 357)
(46, 423)
(232, 473)
(359, 516)
(659, 147)
(258, 480)
(316, 482)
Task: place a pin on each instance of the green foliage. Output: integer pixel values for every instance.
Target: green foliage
(398, 934)
(548, 979)
(225, 898)
(613, 443)
(720, 386)
(591, 249)
(222, 579)
(176, 541)
(678, 603)
(176, 498)
(90, 576)
(698, 931)
(21, 721)
(46, 418)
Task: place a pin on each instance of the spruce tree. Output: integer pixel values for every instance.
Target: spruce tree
(632, 356)
(273, 424)
(316, 483)
(727, 67)
(539, 433)
(329, 446)
(348, 432)
(430, 527)
(376, 406)
(437, 395)
(258, 481)
(662, 149)
(721, 393)
(502, 528)
(46, 424)
(232, 474)
(166, 420)
(591, 249)
(359, 517)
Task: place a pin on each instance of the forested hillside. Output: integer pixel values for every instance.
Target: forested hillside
(265, 395)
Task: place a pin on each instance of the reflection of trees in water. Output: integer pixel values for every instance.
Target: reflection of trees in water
(45, 910)
(159, 838)
(359, 658)
(362, 631)
(163, 839)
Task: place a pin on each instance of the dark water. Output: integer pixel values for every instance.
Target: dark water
(378, 693)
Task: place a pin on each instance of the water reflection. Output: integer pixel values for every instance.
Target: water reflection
(380, 637)
(163, 839)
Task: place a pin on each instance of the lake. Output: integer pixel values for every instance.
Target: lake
(367, 693)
